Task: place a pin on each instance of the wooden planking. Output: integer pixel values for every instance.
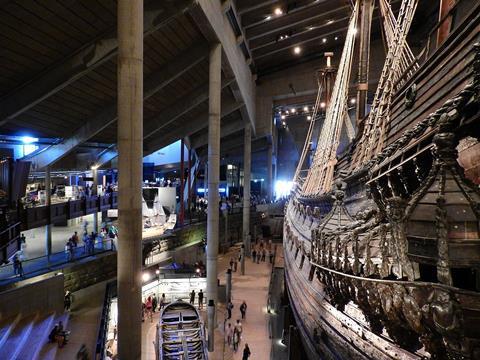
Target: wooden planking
(435, 87)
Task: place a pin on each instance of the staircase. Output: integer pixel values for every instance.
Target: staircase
(26, 337)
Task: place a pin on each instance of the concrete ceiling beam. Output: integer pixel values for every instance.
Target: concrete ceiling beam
(108, 115)
(81, 62)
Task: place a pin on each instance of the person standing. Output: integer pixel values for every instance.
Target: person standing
(264, 254)
(154, 303)
(200, 299)
(235, 339)
(67, 301)
(229, 309)
(270, 256)
(246, 352)
(243, 309)
(75, 239)
(239, 328)
(254, 253)
(231, 264)
(148, 306)
(192, 297)
(162, 301)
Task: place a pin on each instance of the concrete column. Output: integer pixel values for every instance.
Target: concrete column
(247, 162)
(228, 285)
(130, 156)
(270, 173)
(48, 201)
(95, 193)
(190, 184)
(213, 175)
(182, 182)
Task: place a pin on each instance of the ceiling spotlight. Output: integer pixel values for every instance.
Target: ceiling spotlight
(288, 112)
(297, 50)
(283, 117)
(278, 11)
(268, 17)
(330, 22)
(353, 101)
(324, 40)
(310, 28)
(336, 37)
(284, 123)
(293, 110)
(322, 105)
(309, 118)
(145, 277)
(305, 108)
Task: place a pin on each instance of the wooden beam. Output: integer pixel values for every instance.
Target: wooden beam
(108, 115)
(81, 62)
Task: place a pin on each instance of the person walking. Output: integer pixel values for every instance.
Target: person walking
(229, 310)
(67, 301)
(231, 264)
(200, 299)
(270, 256)
(239, 328)
(162, 301)
(148, 307)
(264, 254)
(192, 297)
(154, 303)
(235, 339)
(254, 253)
(229, 334)
(246, 352)
(75, 239)
(243, 309)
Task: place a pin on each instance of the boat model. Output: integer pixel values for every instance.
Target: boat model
(180, 333)
(382, 243)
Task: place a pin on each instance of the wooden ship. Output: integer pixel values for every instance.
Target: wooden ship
(180, 333)
(382, 243)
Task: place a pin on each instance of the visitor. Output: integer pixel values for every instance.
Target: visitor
(259, 255)
(93, 238)
(17, 266)
(229, 310)
(231, 264)
(154, 303)
(67, 300)
(235, 339)
(192, 297)
(243, 309)
(270, 256)
(148, 307)
(254, 253)
(23, 239)
(239, 327)
(163, 301)
(82, 353)
(246, 352)
(75, 239)
(200, 299)
(264, 254)
(235, 265)
(53, 333)
(229, 334)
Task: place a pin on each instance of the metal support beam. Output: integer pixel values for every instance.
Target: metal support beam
(81, 62)
(130, 139)
(108, 115)
(214, 103)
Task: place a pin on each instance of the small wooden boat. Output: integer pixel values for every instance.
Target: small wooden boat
(180, 333)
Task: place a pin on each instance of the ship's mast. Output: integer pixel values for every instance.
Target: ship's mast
(366, 10)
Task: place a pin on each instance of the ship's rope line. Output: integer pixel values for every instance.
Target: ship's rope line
(407, 60)
(308, 139)
(320, 176)
(374, 132)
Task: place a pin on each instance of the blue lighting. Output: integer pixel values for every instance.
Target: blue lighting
(220, 190)
(28, 139)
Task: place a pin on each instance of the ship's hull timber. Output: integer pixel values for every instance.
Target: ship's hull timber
(354, 279)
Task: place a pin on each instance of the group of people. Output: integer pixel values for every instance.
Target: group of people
(200, 298)
(58, 334)
(233, 333)
(260, 251)
(149, 306)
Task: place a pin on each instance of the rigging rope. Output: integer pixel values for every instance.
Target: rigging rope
(373, 137)
(320, 176)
